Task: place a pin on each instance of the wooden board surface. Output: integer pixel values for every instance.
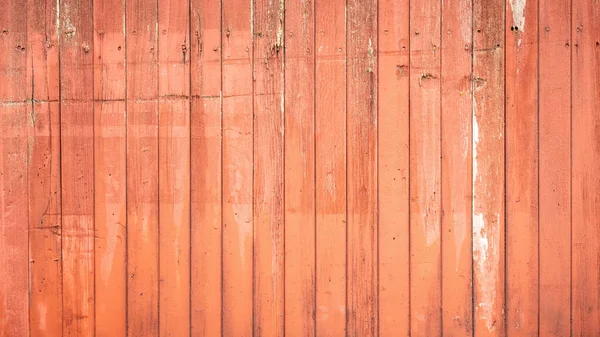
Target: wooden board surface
(301, 168)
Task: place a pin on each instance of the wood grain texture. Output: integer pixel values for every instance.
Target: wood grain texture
(521, 118)
(488, 169)
(585, 91)
(174, 167)
(425, 164)
(45, 274)
(330, 166)
(456, 169)
(77, 166)
(554, 167)
(142, 168)
(206, 170)
(361, 161)
(238, 226)
(268, 167)
(15, 110)
(393, 167)
(300, 168)
(110, 171)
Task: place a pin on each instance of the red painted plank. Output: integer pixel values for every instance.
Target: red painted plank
(362, 264)
(110, 185)
(330, 160)
(425, 153)
(393, 166)
(174, 168)
(237, 168)
(45, 275)
(300, 168)
(268, 198)
(555, 167)
(77, 166)
(142, 168)
(585, 189)
(15, 111)
(206, 168)
(457, 174)
(522, 166)
(488, 168)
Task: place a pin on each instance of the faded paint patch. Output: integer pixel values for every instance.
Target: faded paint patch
(518, 11)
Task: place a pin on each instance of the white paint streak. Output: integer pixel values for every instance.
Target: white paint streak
(518, 12)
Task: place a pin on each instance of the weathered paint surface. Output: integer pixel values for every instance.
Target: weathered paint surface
(311, 168)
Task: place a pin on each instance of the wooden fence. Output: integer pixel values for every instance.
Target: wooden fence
(308, 168)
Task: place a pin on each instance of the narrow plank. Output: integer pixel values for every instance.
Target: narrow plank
(585, 189)
(488, 168)
(77, 166)
(14, 158)
(45, 276)
(174, 167)
(237, 126)
(330, 160)
(457, 178)
(361, 77)
(300, 268)
(393, 165)
(142, 168)
(206, 178)
(110, 184)
(268, 207)
(425, 176)
(554, 167)
(521, 167)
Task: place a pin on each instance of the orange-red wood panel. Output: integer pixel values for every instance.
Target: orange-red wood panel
(521, 120)
(110, 185)
(206, 178)
(488, 168)
(299, 41)
(393, 167)
(456, 168)
(45, 276)
(585, 147)
(77, 166)
(237, 159)
(361, 162)
(425, 164)
(15, 117)
(330, 167)
(268, 168)
(142, 168)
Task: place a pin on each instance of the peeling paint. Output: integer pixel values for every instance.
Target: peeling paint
(518, 11)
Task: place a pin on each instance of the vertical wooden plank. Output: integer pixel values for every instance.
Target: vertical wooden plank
(585, 33)
(110, 184)
(45, 277)
(237, 155)
(425, 176)
(488, 168)
(142, 167)
(300, 168)
(174, 167)
(555, 167)
(456, 132)
(268, 168)
(521, 166)
(206, 168)
(14, 119)
(330, 157)
(77, 165)
(393, 166)
(362, 319)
